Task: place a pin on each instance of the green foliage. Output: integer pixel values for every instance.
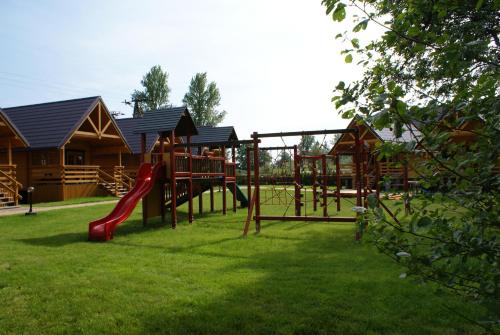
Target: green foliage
(265, 159)
(202, 99)
(434, 70)
(155, 92)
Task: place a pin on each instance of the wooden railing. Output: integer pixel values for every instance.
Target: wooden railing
(80, 174)
(112, 182)
(181, 162)
(9, 184)
(208, 166)
(119, 174)
(230, 169)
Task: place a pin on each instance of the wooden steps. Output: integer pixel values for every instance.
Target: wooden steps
(6, 200)
(111, 188)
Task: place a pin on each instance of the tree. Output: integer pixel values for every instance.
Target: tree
(155, 92)
(202, 100)
(265, 158)
(435, 69)
(306, 143)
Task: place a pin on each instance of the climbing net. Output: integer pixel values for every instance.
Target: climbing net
(299, 180)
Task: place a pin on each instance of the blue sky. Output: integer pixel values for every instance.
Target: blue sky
(275, 62)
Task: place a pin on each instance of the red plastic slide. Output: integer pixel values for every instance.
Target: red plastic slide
(102, 229)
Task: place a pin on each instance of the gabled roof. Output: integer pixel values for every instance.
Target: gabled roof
(166, 120)
(384, 135)
(127, 127)
(5, 118)
(208, 134)
(51, 124)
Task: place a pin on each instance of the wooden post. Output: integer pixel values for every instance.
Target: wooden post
(364, 176)
(162, 190)
(405, 186)
(120, 157)
(224, 185)
(233, 153)
(211, 197)
(173, 183)
(256, 181)
(358, 169)
(377, 180)
(190, 181)
(325, 185)
(314, 181)
(200, 199)
(9, 151)
(249, 177)
(338, 180)
(143, 147)
(296, 169)
(62, 160)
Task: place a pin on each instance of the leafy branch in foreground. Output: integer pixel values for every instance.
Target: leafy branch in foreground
(435, 72)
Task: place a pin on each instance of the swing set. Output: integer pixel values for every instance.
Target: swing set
(292, 190)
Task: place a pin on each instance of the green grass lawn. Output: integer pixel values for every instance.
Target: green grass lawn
(293, 278)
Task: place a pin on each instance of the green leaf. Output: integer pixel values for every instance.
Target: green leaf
(479, 4)
(424, 221)
(348, 58)
(361, 26)
(340, 85)
(338, 36)
(339, 13)
(355, 43)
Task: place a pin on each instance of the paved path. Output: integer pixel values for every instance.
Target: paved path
(21, 210)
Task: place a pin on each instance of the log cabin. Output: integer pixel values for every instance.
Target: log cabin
(370, 138)
(74, 149)
(10, 139)
(399, 173)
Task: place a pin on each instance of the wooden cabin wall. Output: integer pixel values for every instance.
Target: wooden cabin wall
(106, 162)
(20, 159)
(59, 192)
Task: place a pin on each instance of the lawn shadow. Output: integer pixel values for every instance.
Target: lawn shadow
(55, 241)
(323, 290)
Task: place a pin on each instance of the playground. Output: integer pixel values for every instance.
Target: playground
(204, 278)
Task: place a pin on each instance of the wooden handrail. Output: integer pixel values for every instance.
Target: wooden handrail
(10, 178)
(14, 192)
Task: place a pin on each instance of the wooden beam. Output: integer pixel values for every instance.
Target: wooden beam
(88, 134)
(106, 127)
(99, 117)
(93, 125)
(9, 151)
(2, 124)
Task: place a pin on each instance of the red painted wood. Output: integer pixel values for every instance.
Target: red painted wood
(325, 185)
(256, 180)
(173, 182)
(307, 218)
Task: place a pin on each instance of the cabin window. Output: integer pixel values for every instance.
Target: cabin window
(45, 158)
(75, 157)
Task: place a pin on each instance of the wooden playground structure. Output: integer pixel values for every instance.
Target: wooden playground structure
(292, 191)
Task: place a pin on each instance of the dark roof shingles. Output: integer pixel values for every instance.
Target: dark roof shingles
(127, 127)
(47, 125)
(207, 134)
(164, 120)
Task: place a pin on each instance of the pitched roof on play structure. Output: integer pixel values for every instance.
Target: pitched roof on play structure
(166, 120)
(127, 126)
(208, 134)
